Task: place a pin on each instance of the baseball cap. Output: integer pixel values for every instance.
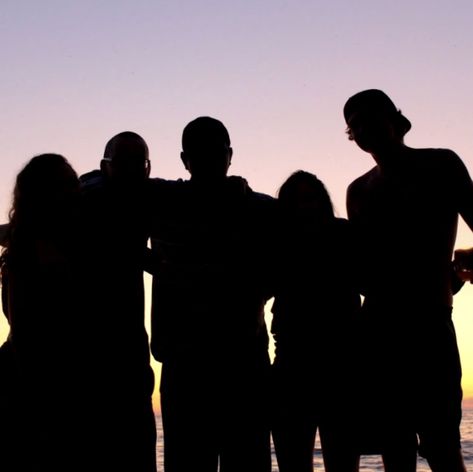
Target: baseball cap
(374, 100)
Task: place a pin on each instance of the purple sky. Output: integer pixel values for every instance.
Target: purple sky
(277, 73)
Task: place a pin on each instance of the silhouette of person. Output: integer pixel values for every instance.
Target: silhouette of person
(208, 329)
(313, 314)
(121, 380)
(405, 211)
(12, 412)
(39, 287)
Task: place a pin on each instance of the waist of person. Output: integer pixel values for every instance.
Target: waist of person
(413, 309)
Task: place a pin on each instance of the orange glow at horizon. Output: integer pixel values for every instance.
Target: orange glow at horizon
(275, 73)
(463, 319)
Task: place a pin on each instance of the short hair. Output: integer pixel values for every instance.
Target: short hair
(113, 143)
(203, 130)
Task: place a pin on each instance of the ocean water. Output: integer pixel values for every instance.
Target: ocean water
(367, 463)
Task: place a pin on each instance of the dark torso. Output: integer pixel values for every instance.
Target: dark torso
(406, 222)
(316, 296)
(209, 294)
(115, 240)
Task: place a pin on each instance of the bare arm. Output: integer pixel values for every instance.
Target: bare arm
(462, 185)
(353, 207)
(351, 203)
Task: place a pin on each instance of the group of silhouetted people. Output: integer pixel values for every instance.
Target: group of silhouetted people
(365, 348)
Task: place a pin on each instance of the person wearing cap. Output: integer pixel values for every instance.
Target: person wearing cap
(405, 212)
(207, 317)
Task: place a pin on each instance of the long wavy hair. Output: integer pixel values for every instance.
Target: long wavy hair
(44, 199)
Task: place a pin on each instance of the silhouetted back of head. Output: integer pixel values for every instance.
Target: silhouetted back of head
(206, 150)
(368, 109)
(304, 195)
(44, 198)
(126, 159)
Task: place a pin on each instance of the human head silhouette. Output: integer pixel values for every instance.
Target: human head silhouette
(303, 195)
(206, 151)
(374, 122)
(45, 195)
(126, 159)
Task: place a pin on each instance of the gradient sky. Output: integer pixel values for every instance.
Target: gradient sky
(277, 73)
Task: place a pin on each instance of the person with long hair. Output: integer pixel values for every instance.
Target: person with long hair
(39, 294)
(315, 304)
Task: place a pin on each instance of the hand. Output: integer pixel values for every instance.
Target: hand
(463, 264)
(238, 185)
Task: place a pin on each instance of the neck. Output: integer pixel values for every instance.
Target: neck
(390, 158)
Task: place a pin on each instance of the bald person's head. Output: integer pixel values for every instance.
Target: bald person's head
(126, 159)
